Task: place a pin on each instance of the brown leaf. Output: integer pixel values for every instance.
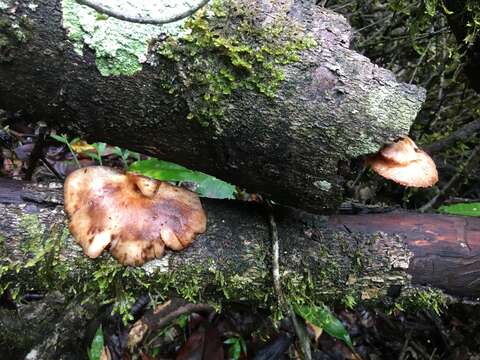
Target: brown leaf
(204, 344)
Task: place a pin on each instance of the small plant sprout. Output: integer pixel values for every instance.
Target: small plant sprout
(64, 140)
(99, 152)
(122, 154)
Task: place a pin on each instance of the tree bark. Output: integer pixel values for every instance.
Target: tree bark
(384, 257)
(359, 255)
(333, 105)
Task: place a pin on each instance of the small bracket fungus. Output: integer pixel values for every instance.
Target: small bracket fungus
(404, 163)
(133, 216)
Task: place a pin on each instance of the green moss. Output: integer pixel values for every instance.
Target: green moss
(13, 32)
(120, 47)
(44, 267)
(350, 301)
(225, 50)
(421, 298)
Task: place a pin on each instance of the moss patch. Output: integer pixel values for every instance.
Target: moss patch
(226, 48)
(43, 265)
(13, 32)
(421, 298)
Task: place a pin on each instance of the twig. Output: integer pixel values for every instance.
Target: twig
(405, 346)
(390, 16)
(462, 133)
(452, 181)
(161, 317)
(287, 308)
(51, 168)
(36, 153)
(412, 77)
(140, 19)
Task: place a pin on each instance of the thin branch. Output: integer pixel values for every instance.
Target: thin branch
(462, 133)
(412, 77)
(161, 316)
(139, 19)
(299, 329)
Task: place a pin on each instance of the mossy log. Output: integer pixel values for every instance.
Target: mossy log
(287, 105)
(401, 260)
(322, 258)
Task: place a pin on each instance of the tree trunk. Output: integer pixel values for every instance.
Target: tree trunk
(289, 139)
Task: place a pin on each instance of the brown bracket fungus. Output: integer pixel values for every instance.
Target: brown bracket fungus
(404, 163)
(133, 216)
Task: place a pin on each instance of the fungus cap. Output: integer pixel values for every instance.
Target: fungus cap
(133, 216)
(404, 163)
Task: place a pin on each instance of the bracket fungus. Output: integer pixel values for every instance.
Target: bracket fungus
(133, 216)
(404, 163)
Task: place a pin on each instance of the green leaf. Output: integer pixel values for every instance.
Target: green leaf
(445, 9)
(430, 7)
(100, 147)
(182, 321)
(237, 346)
(465, 209)
(96, 348)
(93, 155)
(207, 186)
(322, 317)
(61, 138)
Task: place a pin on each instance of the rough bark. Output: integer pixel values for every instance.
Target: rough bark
(334, 104)
(361, 255)
(369, 258)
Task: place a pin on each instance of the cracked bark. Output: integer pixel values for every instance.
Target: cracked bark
(334, 106)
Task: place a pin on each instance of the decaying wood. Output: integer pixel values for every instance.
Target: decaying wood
(334, 104)
(371, 257)
(366, 253)
(445, 249)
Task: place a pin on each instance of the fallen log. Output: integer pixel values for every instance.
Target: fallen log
(322, 258)
(285, 114)
(397, 259)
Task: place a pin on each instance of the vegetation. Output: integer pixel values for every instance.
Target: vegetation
(225, 50)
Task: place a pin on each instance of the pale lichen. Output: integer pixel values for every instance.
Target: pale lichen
(390, 106)
(322, 185)
(4, 4)
(120, 47)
